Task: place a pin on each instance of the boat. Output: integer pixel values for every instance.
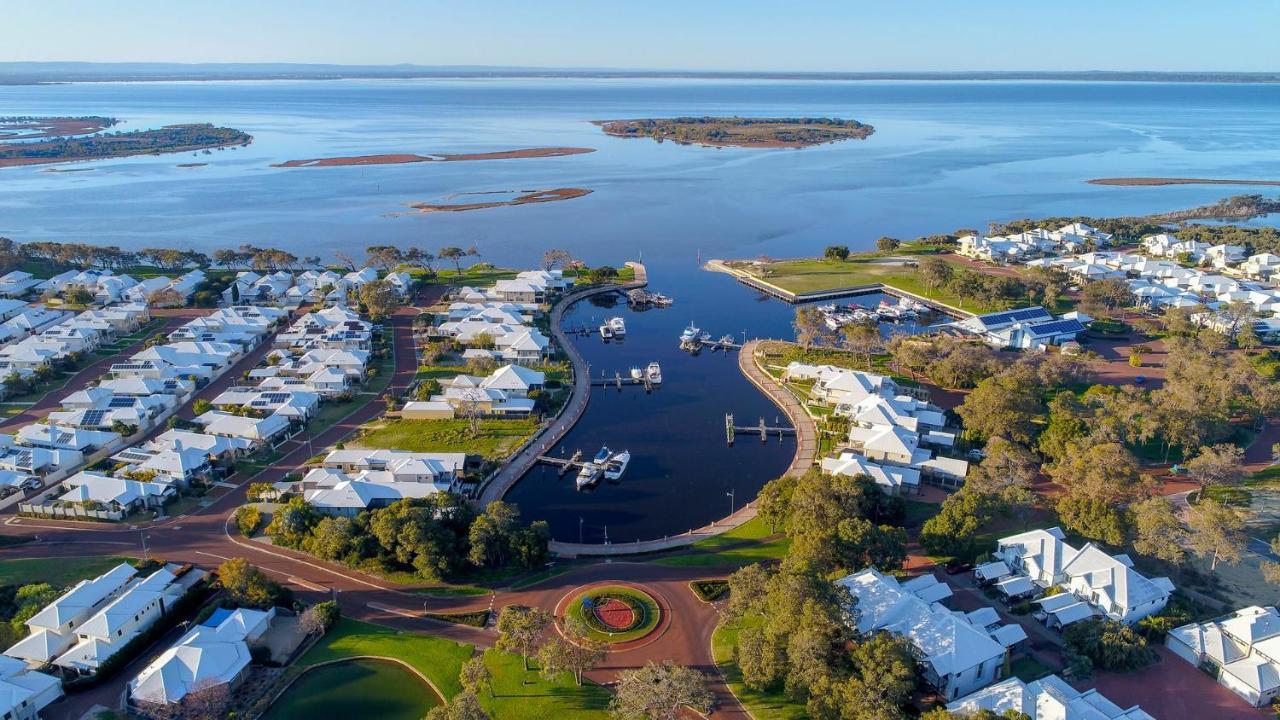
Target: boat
(589, 475)
(726, 340)
(603, 456)
(606, 331)
(637, 373)
(654, 372)
(690, 334)
(617, 325)
(704, 337)
(617, 465)
(660, 300)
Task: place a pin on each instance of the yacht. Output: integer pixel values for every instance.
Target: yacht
(690, 334)
(606, 331)
(618, 327)
(617, 465)
(637, 373)
(603, 456)
(589, 475)
(726, 340)
(654, 371)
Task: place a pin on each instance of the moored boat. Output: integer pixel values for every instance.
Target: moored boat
(606, 332)
(618, 326)
(690, 334)
(637, 373)
(617, 465)
(654, 372)
(589, 475)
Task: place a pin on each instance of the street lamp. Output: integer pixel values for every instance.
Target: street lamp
(730, 494)
(146, 554)
(580, 529)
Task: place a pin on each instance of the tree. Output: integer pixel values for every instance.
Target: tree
(208, 698)
(1111, 645)
(748, 590)
(248, 519)
(1092, 517)
(887, 244)
(553, 259)
(201, 406)
(247, 585)
(657, 692)
(317, 619)
(77, 295)
(1005, 404)
(426, 389)
(463, 706)
(1217, 531)
(838, 253)
(1007, 471)
(952, 530)
(1157, 531)
(578, 657)
(384, 257)
(380, 298)
(884, 678)
(1135, 355)
(811, 327)
(1218, 465)
(935, 272)
(520, 628)
(166, 298)
(863, 338)
(602, 274)
(475, 676)
(453, 254)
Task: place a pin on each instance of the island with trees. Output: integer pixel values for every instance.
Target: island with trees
(168, 139)
(757, 132)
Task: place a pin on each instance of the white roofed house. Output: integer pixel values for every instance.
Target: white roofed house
(25, 692)
(350, 362)
(52, 630)
(87, 493)
(145, 288)
(333, 492)
(16, 283)
(958, 653)
(134, 610)
(1224, 256)
(444, 470)
(893, 480)
(1049, 698)
(522, 290)
(212, 654)
(61, 437)
(524, 347)
(259, 431)
(1262, 266)
(217, 447)
(1243, 647)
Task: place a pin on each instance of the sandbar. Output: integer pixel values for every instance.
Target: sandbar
(528, 197)
(402, 158)
(1148, 181)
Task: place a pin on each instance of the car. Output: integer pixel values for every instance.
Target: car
(977, 454)
(955, 567)
(1139, 379)
(32, 484)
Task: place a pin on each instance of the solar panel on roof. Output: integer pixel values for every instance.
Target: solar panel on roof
(1057, 327)
(94, 417)
(1010, 316)
(120, 402)
(64, 438)
(275, 397)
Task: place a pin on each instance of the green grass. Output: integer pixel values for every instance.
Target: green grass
(495, 440)
(767, 705)
(1266, 477)
(816, 275)
(521, 695)
(748, 543)
(448, 591)
(437, 658)
(1028, 669)
(919, 511)
(1229, 495)
(354, 690)
(652, 613)
(65, 572)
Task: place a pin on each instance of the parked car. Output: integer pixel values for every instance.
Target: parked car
(1139, 379)
(955, 567)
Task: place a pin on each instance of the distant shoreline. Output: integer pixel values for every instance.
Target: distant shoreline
(29, 73)
(403, 158)
(1152, 181)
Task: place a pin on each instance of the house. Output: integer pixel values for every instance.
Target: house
(35, 461)
(17, 283)
(62, 437)
(120, 495)
(1262, 266)
(527, 346)
(444, 470)
(134, 610)
(1049, 698)
(350, 362)
(958, 653)
(1097, 583)
(1224, 256)
(52, 630)
(1242, 647)
(1024, 328)
(260, 431)
(427, 410)
(217, 447)
(214, 653)
(892, 480)
(25, 692)
(337, 495)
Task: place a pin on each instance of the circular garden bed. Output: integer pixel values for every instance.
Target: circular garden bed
(615, 613)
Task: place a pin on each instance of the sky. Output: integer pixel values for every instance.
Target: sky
(729, 35)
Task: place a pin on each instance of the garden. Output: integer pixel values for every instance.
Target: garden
(615, 613)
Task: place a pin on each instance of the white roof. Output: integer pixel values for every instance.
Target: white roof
(205, 656)
(83, 597)
(1049, 698)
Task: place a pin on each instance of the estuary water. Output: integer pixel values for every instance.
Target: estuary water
(944, 155)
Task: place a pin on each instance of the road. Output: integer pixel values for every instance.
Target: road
(206, 538)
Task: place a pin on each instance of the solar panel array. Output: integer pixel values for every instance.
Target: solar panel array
(275, 398)
(1012, 316)
(134, 455)
(120, 402)
(94, 417)
(1058, 327)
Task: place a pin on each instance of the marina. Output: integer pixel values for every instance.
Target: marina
(762, 429)
(648, 377)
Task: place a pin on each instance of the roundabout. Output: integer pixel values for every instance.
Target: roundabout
(614, 613)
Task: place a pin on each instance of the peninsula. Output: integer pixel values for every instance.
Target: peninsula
(525, 197)
(1149, 181)
(761, 132)
(402, 158)
(168, 139)
(27, 127)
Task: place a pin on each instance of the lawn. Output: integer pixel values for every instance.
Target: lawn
(638, 600)
(65, 572)
(816, 275)
(517, 695)
(495, 440)
(1028, 669)
(748, 543)
(772, 705)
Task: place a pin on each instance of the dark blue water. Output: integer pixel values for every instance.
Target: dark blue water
(944, 156)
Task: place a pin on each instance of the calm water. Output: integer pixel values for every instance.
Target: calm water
(944, 155)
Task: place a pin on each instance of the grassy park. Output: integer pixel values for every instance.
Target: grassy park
(495, 439)
(771, 705)
(750, 542)
(63, 573)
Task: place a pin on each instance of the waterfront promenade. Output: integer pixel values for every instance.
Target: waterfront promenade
(517, 466)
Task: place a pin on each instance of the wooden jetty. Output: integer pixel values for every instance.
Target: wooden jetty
(762, 429)
(714, 345)
(618, 380)
(573, 463)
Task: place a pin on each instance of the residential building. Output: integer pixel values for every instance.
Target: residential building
(1242, 648)
(52, 630)
(25, 692)
(212, 654)
(1049, 698)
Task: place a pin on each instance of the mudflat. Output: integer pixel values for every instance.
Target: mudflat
(527, 198)
(402, 158)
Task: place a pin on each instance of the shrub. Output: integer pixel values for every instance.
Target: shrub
(248, 519)
(1109, 645)
(709, 590)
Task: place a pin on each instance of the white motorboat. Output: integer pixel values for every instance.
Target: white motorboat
(606, 331)
(704, 337)
(617, 465)
(690, 334)
(589, 475)
(654, 371)
(637, 373)
(726, 340)
(617, 325)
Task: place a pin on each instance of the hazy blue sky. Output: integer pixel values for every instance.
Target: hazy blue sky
(849, 35)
